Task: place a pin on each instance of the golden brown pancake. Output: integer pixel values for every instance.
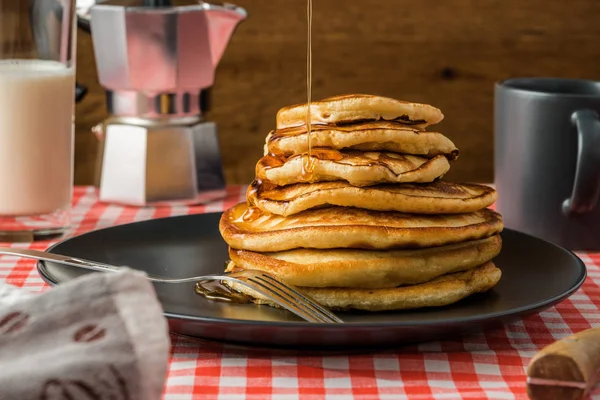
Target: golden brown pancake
(358, 108)
(371, 136)
(369, 269)
(355, 167)
(442, 291)
(346, 227)
(438, 197)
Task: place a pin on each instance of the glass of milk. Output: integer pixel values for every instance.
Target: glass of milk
(37, 91)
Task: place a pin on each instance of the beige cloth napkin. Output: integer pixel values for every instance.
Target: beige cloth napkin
(101, 336)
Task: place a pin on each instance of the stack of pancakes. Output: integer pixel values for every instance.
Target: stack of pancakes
(372, 225)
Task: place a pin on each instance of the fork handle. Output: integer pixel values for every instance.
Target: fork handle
(59, 259)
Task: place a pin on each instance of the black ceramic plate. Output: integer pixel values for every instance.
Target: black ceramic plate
(536, 275)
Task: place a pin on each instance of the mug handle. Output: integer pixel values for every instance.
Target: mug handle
(586, 188)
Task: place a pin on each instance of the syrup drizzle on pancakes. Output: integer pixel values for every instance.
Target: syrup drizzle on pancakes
(308, 164)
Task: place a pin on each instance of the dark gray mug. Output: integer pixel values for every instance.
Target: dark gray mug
(547, 159)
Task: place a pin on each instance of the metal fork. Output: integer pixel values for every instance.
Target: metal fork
(283, 294)
(263, 283)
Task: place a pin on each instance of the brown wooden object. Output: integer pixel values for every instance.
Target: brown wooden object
(567, 369)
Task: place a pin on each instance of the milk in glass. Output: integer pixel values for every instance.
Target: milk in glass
(36, 137)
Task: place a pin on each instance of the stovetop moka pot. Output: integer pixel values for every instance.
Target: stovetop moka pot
(157, 61)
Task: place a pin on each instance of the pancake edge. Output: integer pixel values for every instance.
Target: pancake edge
(397, 270)
(440, 292)
(363, 199)
(354, 238)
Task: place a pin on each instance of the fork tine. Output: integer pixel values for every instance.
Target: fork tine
(293, 295)
(303, 296)
(298, 296)
(322, 310)
(289, 296)
(277, 297)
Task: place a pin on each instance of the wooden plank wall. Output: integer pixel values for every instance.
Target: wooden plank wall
(447, 53)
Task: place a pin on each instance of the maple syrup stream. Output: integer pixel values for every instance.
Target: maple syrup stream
(217, 291)
(308, 164)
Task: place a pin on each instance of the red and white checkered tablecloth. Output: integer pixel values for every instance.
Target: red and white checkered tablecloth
(482, 366)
